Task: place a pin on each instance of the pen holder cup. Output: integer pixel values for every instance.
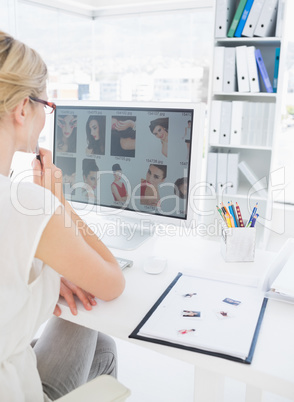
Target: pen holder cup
(238, 244)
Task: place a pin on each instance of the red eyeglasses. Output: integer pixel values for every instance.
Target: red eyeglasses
(48, 106)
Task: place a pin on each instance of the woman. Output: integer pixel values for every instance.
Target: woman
(181, 187)
(68, 167)
(149, 191)
(95, 129)
(123, 136)
(159, 128)
(118, 187)
(67, 133)
(42, 240)
(90, 177)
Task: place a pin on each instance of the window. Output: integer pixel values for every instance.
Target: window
(158, 56)
(65, 43)
(155, 56)
(150, 56)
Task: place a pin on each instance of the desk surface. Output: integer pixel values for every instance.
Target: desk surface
(272, 367)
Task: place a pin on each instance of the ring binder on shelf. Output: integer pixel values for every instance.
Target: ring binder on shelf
(252, 19)
(266, 24)
(242, 69)
(263, 71)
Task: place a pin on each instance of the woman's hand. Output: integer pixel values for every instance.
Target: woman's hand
(47, 175)
(123, 125)
(68, 290)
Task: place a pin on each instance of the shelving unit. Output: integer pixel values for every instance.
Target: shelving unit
(258, 143)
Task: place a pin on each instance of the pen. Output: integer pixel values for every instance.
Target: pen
(252, 215)
(232, 214)
(232, 221)
(239, 215)
(224, 209)
(254, 220)
(235, 214)
(221, 213)
(228, 221)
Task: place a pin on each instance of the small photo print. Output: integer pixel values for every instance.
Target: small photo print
(191, 313)
(232, 302)
(186, 332)
(222, 314)
(189, 295)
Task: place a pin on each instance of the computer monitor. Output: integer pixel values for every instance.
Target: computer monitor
(135, 163)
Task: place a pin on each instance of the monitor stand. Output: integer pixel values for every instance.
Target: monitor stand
(119, 233)
(124, 241)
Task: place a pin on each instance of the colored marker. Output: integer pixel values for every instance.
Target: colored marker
(239, 215)
(228, 221)
(232, 214)
(221, 213)
(235, 214)
(224, 209)
(252, 214)
(254, 220)
(232, 221)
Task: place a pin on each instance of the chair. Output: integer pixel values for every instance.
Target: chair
(104, 388)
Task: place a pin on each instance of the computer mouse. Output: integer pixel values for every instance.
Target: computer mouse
(154, 265)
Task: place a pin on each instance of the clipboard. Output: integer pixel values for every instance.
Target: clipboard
(168, 300)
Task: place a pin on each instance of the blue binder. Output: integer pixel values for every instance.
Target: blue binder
(243, 19)
(263, 71)
(276, 69)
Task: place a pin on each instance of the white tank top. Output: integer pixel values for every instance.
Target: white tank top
(29, 289)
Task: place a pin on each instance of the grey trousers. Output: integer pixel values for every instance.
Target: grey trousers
(69, 355)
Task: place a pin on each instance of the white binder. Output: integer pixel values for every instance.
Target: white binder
(211, 172)
(270, 127)
(221, 177)
(251, 134)
(215, 120)
(252, 70)
(246, 120)
(242, 69)
(259, 116)
(229, 76)
(280, 19)
(266, 24)
(225, 123)
(225, 10)
(264, 126)
(236, 122)
(252, 19)
(219, 53)
(232, 173)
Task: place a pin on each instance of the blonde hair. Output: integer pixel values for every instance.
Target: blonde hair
(23, 73)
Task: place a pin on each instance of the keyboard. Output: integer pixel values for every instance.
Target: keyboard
(124, 263)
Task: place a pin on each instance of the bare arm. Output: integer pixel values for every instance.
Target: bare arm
(164, 148)
(128, 143)
(71, 248)
(123, 125)
(151, 196)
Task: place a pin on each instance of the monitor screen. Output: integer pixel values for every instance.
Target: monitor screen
(129, 158)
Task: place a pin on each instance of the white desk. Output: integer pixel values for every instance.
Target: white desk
(272, 368)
